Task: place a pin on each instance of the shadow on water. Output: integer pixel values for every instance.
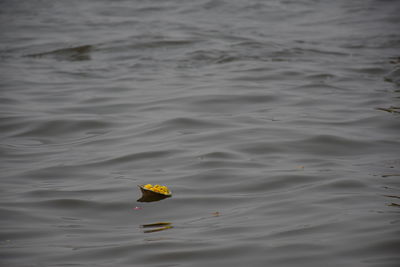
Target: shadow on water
(152, 198)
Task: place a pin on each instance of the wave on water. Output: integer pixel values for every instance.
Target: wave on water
(274, 124)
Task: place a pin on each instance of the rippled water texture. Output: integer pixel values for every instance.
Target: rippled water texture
(274, 123)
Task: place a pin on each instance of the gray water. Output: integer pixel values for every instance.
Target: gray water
(274, 123)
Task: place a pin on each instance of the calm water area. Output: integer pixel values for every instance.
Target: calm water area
(275, 124)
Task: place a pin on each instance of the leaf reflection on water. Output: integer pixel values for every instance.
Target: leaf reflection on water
(161, 227)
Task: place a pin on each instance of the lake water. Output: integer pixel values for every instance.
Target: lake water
(275, 124)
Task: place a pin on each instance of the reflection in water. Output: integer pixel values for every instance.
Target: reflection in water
(160, 226)
(151, 198)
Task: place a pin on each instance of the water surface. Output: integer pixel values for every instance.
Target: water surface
(274, 123)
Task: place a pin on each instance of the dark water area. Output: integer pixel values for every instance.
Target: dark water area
(274, 123)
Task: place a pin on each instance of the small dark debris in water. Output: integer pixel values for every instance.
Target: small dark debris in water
(390, 175)
(391, 109)
(394, 205)
(216, 214)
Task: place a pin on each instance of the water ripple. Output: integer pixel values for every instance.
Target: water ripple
(273, 123)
